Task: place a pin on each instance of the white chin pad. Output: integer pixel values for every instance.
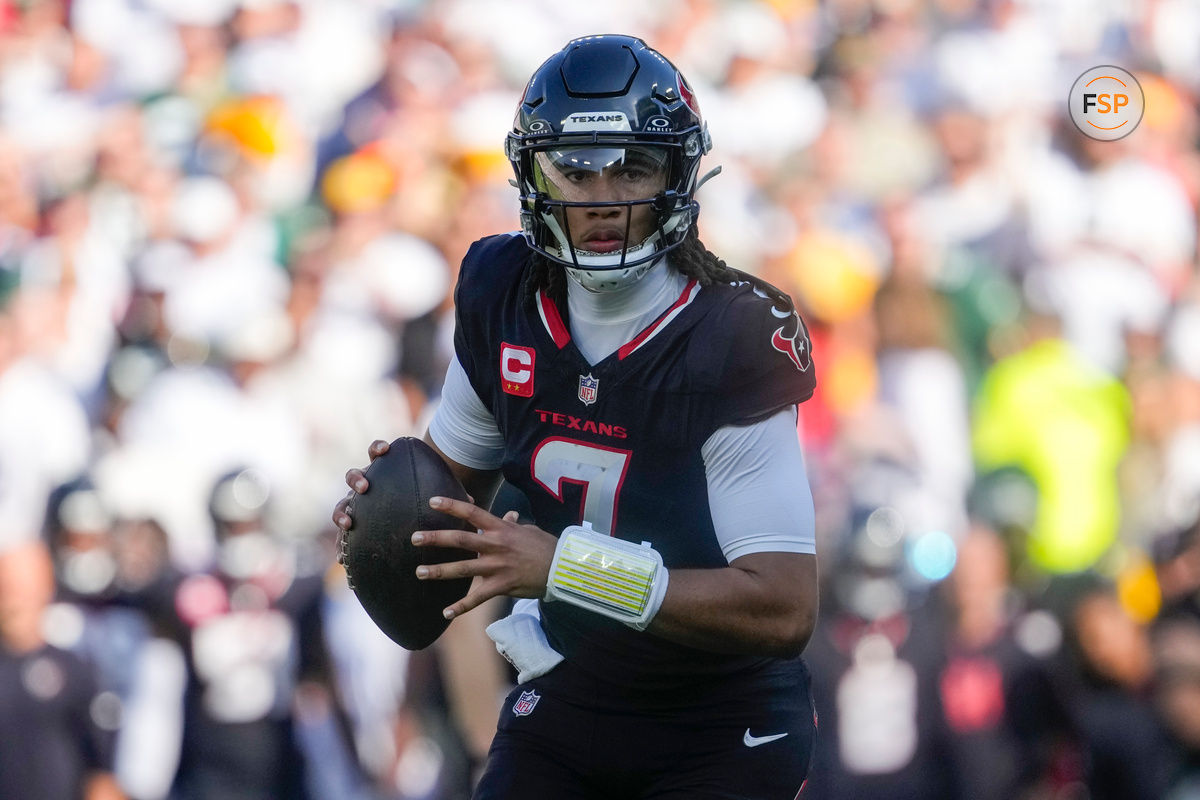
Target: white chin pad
(599, 272)
(608, 280)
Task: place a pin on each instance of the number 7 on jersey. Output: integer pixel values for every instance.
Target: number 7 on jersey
(599, 470)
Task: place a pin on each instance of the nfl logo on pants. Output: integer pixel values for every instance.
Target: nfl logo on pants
(525, 703)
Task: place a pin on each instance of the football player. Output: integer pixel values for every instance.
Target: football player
(643, 396)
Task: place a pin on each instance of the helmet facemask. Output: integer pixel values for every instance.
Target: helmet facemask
(605, 210)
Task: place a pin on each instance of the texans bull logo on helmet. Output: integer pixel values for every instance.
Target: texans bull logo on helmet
(791, 339)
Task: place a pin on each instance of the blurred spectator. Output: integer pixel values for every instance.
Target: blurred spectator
(56, 729)
(1108, 699)
(971, 206)
(151, 734)
(43, 427)
(259, 689)
(920, 378)
(875, 657)
(989, 687)
(1136, 208)
(77, 264)
(1177, 693)
(102, 613)
(1178, 571)
(226, 276)
(1064, 423)
(372, 679)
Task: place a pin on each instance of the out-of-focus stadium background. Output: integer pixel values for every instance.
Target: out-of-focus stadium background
(229, 232)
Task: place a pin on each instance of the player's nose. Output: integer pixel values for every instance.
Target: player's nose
(606, 190)
(605, 212)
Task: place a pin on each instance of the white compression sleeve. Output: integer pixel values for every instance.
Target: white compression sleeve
(758, 488)
(462, 427)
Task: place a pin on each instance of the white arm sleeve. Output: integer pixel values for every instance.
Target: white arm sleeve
(462, 427)
(758, 488)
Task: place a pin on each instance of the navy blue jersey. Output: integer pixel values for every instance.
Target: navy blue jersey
(618, 443)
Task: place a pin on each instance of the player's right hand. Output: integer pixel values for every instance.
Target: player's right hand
(357, 482)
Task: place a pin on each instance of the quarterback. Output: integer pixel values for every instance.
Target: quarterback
(643, 396)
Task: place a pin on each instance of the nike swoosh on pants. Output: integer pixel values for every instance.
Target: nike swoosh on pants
(755, 741)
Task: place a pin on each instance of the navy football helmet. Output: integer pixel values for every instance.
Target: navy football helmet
(609, 125)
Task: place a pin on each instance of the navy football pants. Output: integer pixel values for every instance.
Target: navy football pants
(549, 748)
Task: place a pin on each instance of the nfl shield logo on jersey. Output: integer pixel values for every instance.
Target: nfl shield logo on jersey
(525, 703)
(589, 387)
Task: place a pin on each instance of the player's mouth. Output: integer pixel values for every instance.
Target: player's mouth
(604, 240)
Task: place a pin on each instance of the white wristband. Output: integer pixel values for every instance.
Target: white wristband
(610, 576)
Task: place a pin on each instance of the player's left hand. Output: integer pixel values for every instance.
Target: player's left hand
(513, 559)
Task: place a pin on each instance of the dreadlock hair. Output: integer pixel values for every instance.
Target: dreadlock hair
(691, 258)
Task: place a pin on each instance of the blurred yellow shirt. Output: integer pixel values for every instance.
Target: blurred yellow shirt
(1066, 424)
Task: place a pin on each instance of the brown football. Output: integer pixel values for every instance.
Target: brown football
(378, 552)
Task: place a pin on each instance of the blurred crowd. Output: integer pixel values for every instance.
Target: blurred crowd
(229, 233)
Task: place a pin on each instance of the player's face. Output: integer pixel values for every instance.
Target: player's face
(605, 175)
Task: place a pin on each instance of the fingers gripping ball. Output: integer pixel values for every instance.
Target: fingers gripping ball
(378, 553)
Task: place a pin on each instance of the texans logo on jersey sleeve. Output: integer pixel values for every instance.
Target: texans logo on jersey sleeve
(791, 339)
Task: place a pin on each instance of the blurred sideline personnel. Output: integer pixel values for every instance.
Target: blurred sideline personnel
(255, 641)
(642, 395)
(51, 744)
